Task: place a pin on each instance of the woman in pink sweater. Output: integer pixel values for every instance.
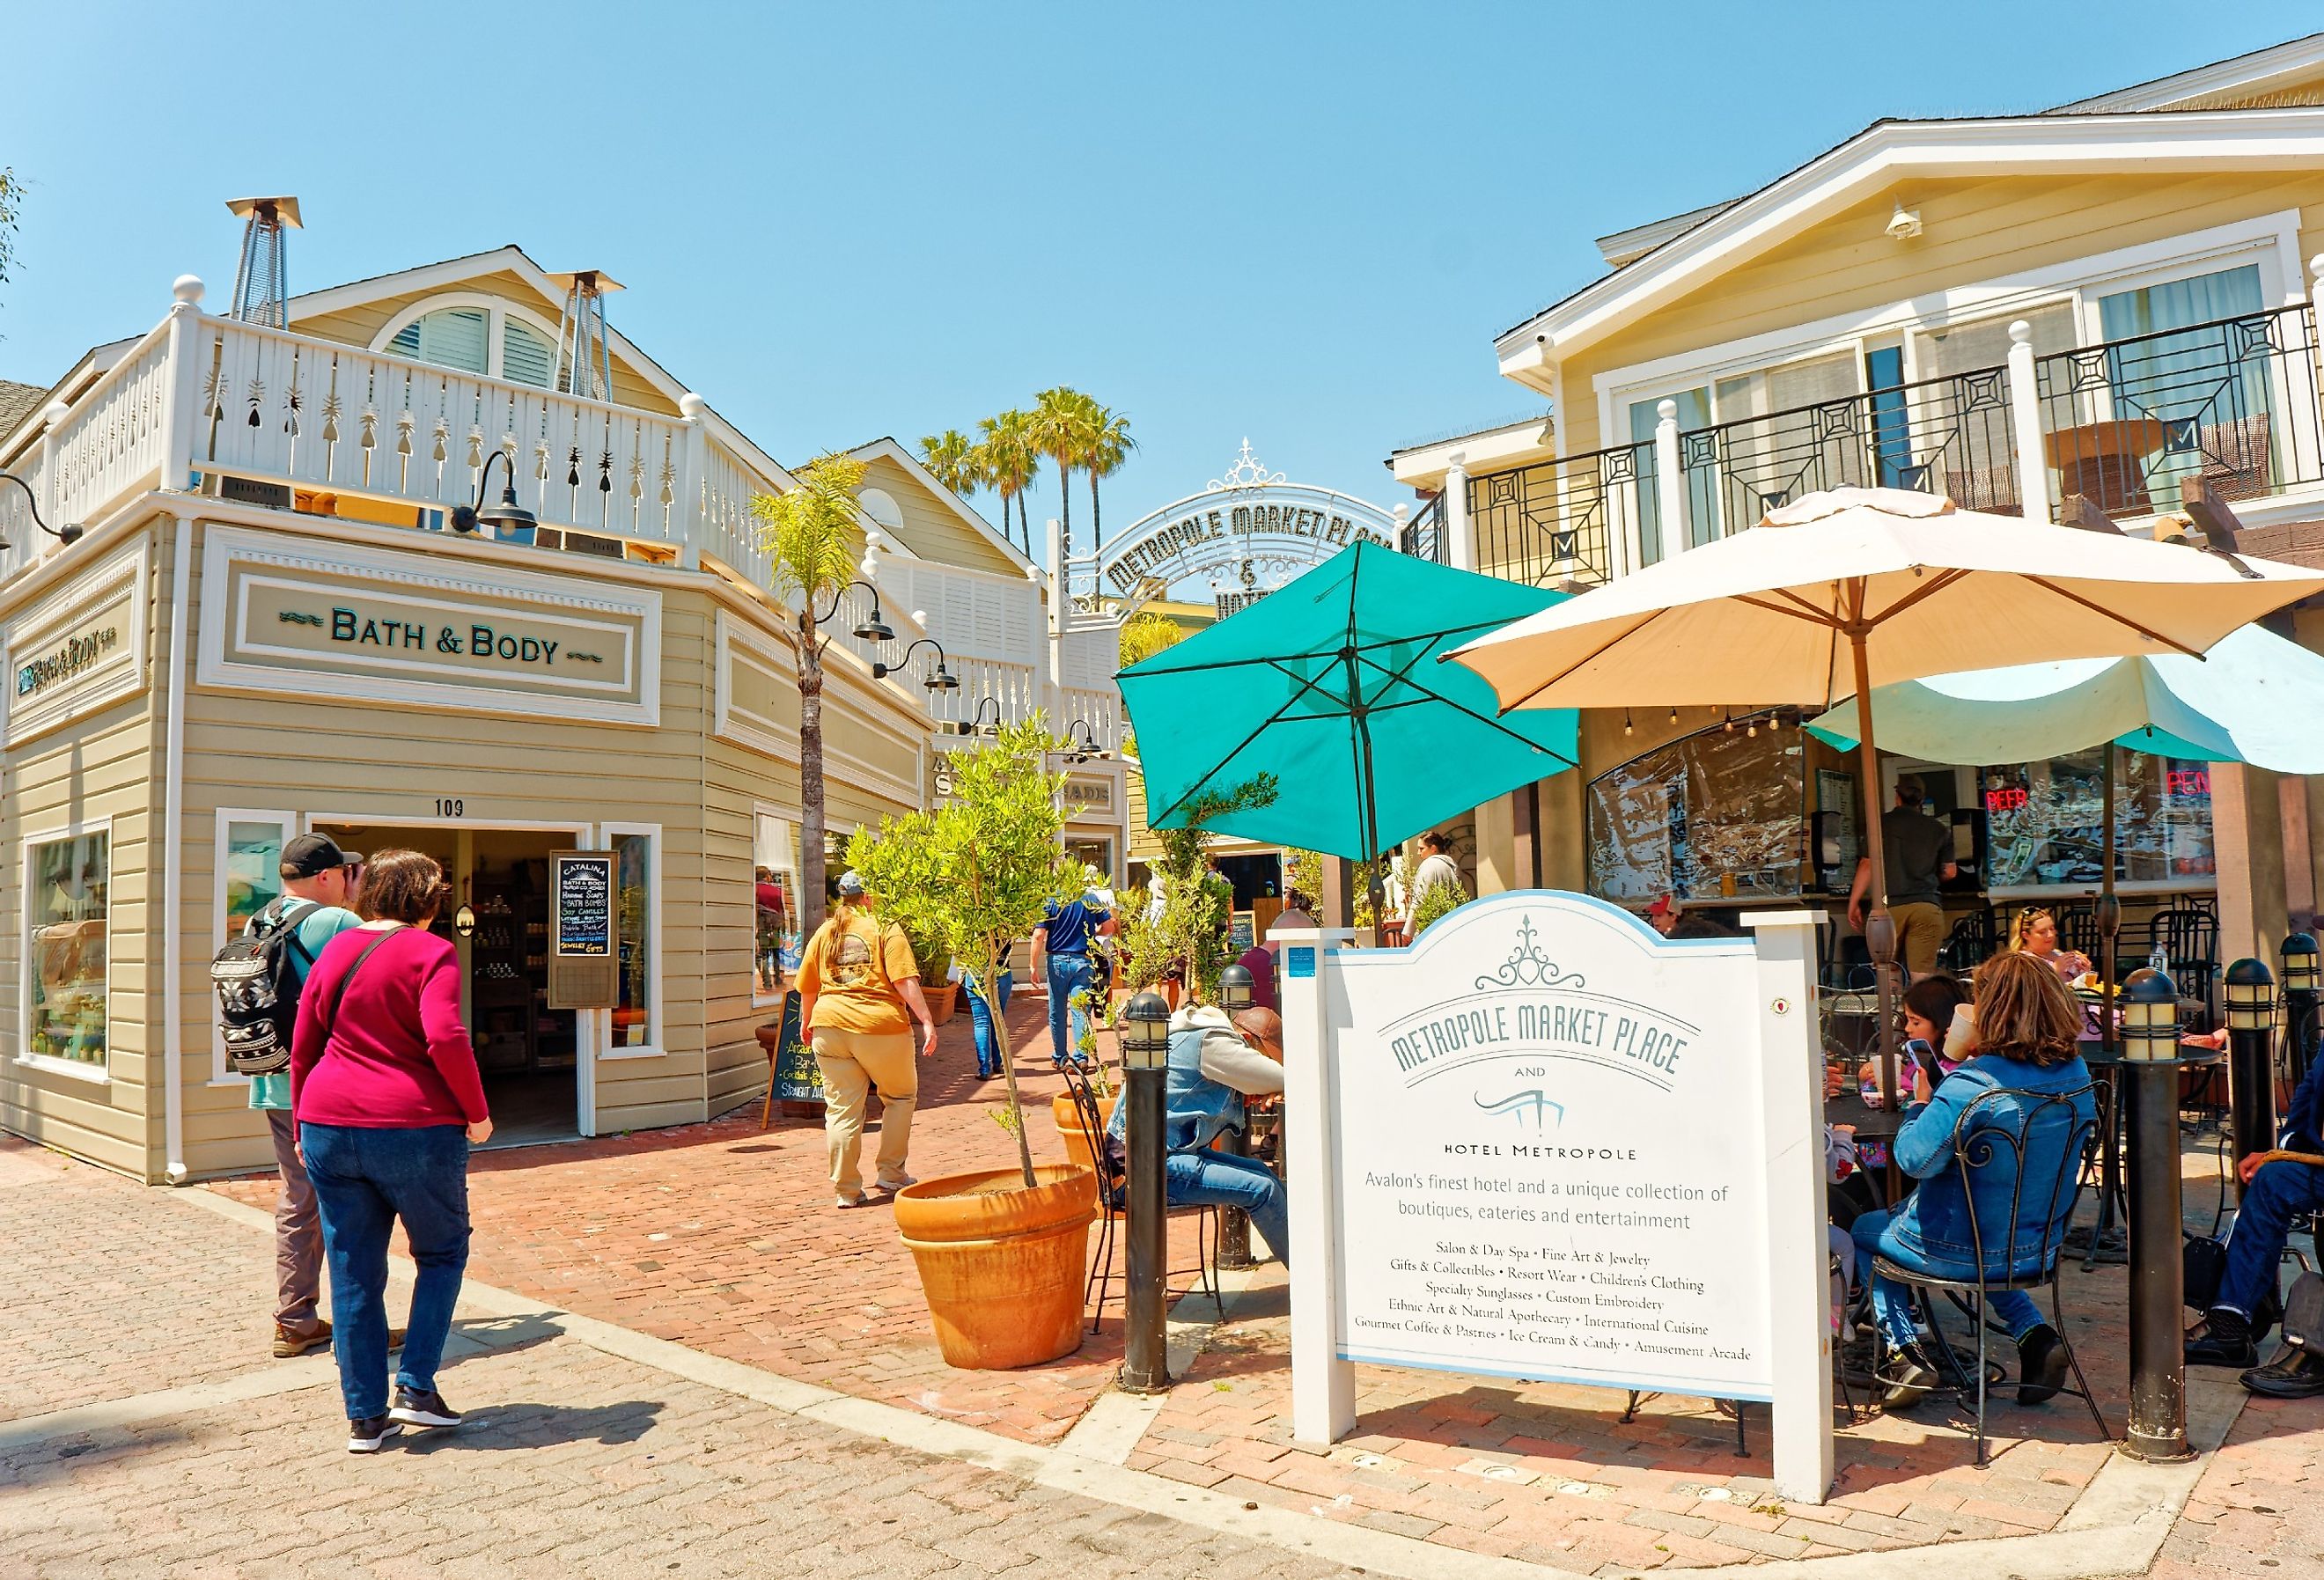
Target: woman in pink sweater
(387, 1100)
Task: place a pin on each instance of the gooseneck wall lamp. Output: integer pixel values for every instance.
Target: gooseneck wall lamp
(67, 534)
(939, 678)
(872, 627)
(1080, 741)
(975, 724)
(508, 519)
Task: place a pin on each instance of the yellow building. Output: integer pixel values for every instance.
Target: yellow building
(2111, 300)
(266, 621)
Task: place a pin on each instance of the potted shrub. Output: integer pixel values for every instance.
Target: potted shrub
(898, 868)
(1002, 1254)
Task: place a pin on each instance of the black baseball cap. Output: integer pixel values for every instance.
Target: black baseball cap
(310, 855)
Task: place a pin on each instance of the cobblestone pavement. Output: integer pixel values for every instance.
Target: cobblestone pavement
(2259, 1508)
(573, 1462)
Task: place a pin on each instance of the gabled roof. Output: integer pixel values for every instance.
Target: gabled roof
(887, 449)
(17, 402)
(1880, 157)
(2255, 76)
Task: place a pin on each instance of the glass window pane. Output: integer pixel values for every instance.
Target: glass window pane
(633, 877)
(1717, 815)
(66, 908)
(2045, 821)
(254, 871)
(774, 860)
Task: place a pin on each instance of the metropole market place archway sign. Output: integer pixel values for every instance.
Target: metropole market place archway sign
(1546, 1143)
(1247, 533)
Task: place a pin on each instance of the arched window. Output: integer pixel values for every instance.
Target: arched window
(880, 506)
(480, 335)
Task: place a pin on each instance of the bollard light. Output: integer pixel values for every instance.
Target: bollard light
(2150, 1019)
(1146, 1032)
(1234, 988)
(2251, 997)
(2300, 963)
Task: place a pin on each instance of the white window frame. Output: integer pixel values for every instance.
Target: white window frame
(2271, 240)
(498, 310)
(288, 822)
(95, 1075)
(655, 1040)
(759, 809)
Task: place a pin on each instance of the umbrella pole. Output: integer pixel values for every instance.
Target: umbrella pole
(2109, 917)
(1879, 931)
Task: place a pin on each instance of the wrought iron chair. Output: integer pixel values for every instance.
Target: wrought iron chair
(1970, 944)
(1984, 1139)
(2190, 945)
(1112, 1173)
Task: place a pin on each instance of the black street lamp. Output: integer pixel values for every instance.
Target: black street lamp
(1145, 1056)
(2299, 1005)
(508, 519)
(2251, 1064)
(2150, 1082)
(67, 534)
(871, 628)
(939, 678)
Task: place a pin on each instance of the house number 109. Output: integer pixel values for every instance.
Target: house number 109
(450, 808)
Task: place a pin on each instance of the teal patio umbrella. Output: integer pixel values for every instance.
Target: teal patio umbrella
(1332, 685)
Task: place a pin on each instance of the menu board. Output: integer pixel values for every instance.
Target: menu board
(1718, 815)
(797, 1077)
(2045, 821)
(584, 966)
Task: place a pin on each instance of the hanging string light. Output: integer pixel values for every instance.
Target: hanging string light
(1628, 728)
(1673, 716)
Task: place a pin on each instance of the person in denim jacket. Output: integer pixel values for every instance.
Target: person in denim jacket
(2026, 1028)
(1214, 1064)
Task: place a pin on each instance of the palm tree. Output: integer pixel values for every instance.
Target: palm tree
(1011, 462)
(1060, 432)
(1107, 445)
(810, 535)
(949, 458)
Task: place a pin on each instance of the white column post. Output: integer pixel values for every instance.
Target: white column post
(1460, 536)
(181, 386)
(52, 417)
(1323, 1385)
(2315, 401)
(693, 451)
(2026, 421)
(1791, 1111)
(1670, 481)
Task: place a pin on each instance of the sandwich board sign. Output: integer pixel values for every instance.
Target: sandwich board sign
(1546, 1143)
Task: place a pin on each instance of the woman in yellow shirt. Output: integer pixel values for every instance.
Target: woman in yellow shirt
(858, 994)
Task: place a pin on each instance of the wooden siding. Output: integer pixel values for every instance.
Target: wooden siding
(931, 529)
(1972, 231)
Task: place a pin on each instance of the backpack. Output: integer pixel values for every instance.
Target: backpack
(257, 989)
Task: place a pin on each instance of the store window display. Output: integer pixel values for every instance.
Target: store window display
(67, 909)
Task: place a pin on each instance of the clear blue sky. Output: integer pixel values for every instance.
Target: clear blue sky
(1303, 223)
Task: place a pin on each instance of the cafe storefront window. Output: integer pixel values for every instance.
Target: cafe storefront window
(637, 1012)
(2045, 823)
(1715, 816)
(67, 880)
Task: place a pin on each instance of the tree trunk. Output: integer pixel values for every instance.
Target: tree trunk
(811, 820)
(988, 980)
(1064, 508)
(1097, 522)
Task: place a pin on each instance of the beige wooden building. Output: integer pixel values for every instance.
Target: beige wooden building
(266, 624)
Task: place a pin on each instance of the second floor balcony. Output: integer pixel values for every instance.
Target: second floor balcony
(2122, 423)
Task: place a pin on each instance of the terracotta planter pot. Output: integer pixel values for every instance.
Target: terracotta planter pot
(1002, 1267)
(942, 999)
(1068, 1115)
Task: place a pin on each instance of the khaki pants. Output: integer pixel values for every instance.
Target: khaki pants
(298, 1234)
(1920, 929)
(853, 1064)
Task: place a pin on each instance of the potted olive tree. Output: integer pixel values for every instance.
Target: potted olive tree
(1002, 1254)
(905, 882)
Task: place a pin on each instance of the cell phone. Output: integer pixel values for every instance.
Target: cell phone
(1918, 1055)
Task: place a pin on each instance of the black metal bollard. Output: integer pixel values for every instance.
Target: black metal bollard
(2251, 1064)
(2301, 996)
(1145, 1057)
(2150, 1083)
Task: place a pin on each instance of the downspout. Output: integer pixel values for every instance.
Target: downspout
(173, 841)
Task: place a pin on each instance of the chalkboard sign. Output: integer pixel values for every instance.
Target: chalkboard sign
(584, 966)
(1241, 933)
(797, 1077)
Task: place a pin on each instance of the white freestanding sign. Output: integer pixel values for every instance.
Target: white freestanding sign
(1548, 1142)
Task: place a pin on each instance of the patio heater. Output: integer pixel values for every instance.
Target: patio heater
(1235, 986)
(2250, 1063)
(2300, 1000)
(261, 279)
(1145, 1056)
(585, 352)
(2158, 1368)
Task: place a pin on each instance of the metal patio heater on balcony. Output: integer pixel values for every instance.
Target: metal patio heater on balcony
(261, 282)
(585, 358)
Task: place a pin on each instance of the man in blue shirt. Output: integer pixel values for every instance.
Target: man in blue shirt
(1061, 959)
(319, 881)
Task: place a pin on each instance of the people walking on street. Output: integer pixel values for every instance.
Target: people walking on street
(318, 884)
(1061, 962)
(859, 997)
(980, 1015)
(388, 1100)
(1920, 859)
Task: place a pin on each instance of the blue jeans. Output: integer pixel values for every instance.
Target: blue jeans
(980, 1020)
(1068, 974)
(1208, 1179)
(365, 1180)
(1892, 1305)
(2255, 1245)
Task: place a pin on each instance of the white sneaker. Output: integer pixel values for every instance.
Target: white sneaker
(848, 1201)
(896, 1184)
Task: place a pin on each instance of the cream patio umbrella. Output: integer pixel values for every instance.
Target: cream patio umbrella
(1839, 593)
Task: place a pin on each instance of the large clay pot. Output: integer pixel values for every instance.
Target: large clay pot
(941, 999)
(1002, 1267)
(1068, 1115)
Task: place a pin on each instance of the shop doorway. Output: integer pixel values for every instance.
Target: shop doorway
(530, 1055)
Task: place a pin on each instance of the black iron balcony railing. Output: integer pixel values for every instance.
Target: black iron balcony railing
(1422, 537)
(2233, 402)
(1561, 520)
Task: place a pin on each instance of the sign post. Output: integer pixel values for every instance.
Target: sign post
(1546, 1142)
